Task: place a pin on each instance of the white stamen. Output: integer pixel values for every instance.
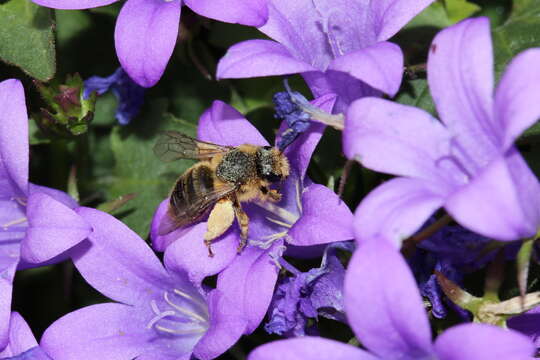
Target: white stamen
(182, 310)
(279, 211)
(280, 223)
(195, 301)
(299, 197)
(14, 222)
(158, 317)
(180, 332)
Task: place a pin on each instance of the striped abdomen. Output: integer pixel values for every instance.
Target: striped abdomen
(188, 195)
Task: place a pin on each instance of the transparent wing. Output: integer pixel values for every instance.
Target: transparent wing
(173, 145)
(182, 213)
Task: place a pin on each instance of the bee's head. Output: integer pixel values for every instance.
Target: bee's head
(272, 165)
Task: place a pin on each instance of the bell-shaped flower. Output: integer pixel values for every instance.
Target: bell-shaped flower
(466, 162)
(22, 344)
(339, 46)
(37, 224)
(308, 214)
(158, 313)
(386, 313)
(146, 30)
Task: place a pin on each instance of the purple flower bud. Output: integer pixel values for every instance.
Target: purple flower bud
(129, 94)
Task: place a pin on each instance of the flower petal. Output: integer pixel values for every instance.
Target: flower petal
(298, 27)
(255, 58)
(379, 65)
(346, 87)
(190, 255)
(483, 342)
(227, 325)
(396, 210)
(116, 261)
(389, 16)
(20, 337)
(224, 125)
(58, 195)
(397, 139)
(312, 348)
(53, 228)
(460, 75)
(250, 279)
(13, 138)
(145, 35)
(246, 12)
(325, 218)
(516, 101)
(104, 331)
(511, 215)
(383, 304)
(6, 289)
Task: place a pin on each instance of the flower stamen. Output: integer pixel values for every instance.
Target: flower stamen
(14, 222)
(182, 310)
(279, 222)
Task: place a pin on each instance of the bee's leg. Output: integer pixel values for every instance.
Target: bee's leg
(243, 222)
(274, 195)
(220, 219)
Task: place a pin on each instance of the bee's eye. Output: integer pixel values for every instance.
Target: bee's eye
(273, 177)
(267, 147)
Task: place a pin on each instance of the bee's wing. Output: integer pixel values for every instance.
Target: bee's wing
(172, 145)
(183, 213)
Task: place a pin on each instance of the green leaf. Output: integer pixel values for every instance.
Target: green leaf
(137, 170)
(520, 32)
(27, 39)
(458, 10)
(416, 93)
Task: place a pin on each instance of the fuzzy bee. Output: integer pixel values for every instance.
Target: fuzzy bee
(224, 177)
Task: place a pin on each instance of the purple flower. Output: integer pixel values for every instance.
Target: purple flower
(146, 30)
(338, 46)
(37, 224)
(130, 95)
(387, 315)
(22, 344)
(307, 295)
(158, 313)
(466, 163)
(308, 214)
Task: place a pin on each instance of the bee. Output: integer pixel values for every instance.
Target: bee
(224, 177)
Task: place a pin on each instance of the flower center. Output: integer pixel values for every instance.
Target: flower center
(18, 224)
(280, 216)
(179, 314)
(459, 162)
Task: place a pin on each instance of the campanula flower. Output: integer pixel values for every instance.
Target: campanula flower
(147, 30)
(130, 95)
(386, 313)
(318, 291)
(22, 344)
(158, 313)
(466, 163)
(338, 46)
(37, 224)
(308, 214)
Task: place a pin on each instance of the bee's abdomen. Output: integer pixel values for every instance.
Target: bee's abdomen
(190, 187)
